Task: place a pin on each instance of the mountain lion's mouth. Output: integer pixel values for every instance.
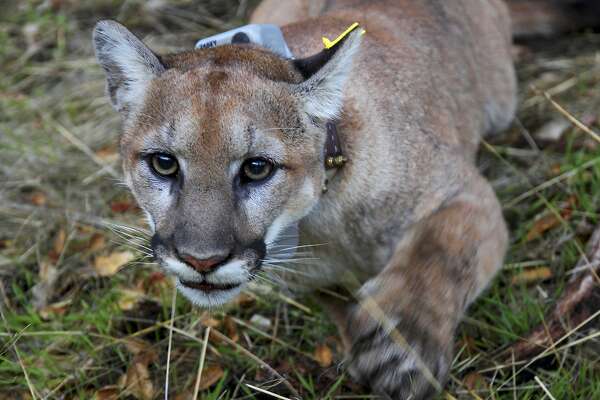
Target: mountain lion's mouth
(209, 287)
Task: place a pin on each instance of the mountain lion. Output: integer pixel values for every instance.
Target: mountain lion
(225, 148)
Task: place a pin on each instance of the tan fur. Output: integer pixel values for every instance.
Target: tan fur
(408, 222)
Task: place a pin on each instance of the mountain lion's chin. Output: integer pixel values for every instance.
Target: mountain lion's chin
(208, 295)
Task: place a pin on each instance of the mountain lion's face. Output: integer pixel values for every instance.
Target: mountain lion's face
(221, 162)
(221, 148)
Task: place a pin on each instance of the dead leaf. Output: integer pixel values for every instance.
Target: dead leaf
(143, 351)
(58, 245)
(556, 169)
(55, 309)
(155, 284)
(186, 395)
(128, 298)
(108, 154)
(467, 342)
(43, 291)
(59, 241)
(210, 376)
(38, 198)
(542, 225)
(532, 275)
(323, 355)
(107, 393)
(97, 242)
(551, 220)
(137, 381)
(231, 329)
(47, 271)
(110, 264)
(244, 300)
(208, 321)
(475, 381)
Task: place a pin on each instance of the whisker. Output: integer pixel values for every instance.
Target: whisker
(301, 246)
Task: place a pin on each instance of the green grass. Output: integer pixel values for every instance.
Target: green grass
(53, 113)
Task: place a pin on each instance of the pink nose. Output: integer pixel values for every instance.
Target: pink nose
(206, 265)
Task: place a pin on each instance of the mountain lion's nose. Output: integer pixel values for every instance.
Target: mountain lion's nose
(206, 265)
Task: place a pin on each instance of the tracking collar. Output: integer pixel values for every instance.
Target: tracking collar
(270, 37)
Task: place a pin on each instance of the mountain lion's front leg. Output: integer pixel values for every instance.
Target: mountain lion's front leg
(401, 330)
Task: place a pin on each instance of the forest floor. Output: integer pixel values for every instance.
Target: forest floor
(85, 313)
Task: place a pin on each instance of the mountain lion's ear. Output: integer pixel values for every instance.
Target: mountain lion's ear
(129, 65)
(325, 76)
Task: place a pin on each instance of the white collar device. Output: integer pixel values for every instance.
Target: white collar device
(265, 35)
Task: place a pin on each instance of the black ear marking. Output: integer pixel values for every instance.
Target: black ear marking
(308, 66)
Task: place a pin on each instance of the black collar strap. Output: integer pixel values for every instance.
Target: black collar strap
(333, 156)
(333, 150)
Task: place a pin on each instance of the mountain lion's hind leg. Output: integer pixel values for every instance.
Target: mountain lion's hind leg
(401, 331)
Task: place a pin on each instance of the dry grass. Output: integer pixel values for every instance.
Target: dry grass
(67, 332)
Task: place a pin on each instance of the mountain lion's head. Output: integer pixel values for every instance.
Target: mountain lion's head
(222, 148)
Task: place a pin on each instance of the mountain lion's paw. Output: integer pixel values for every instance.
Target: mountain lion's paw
(399, 366)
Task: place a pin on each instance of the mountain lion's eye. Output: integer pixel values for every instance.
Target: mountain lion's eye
(164, 164)
(256, 169)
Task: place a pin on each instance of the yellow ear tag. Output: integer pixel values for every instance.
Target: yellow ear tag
(329, 44)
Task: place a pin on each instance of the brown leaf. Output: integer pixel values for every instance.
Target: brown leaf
(532, 275)
(551, 220)
(208, 321)
(47, 272)
(155, 283)
(110, 264)
(97, 242)
(143, 351)
(128, 298)
(210, 376)
(323, 355)
(54, 309)
(467, 342)
(38, 198)
(542, 225)
(556, 169)
(108, 154)
(137, 382)
(475, 381)
(107, 393)
(244, 300)
(59, 241)
(231, 329)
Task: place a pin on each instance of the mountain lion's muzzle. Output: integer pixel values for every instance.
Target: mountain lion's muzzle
(208, 278)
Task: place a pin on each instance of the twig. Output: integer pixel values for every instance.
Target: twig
(79, 144)
(266, 392)
(29, 384)
(247, 353)
(580, 301)
(201, 364)
(16, 349)
(260, 362)
(544, 388)
(571, 118)
(171, 327)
